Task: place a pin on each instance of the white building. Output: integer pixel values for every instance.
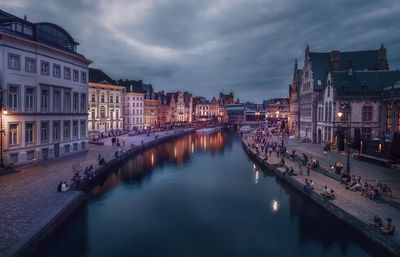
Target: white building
(133, 110)
(44, 88)
(105, 108)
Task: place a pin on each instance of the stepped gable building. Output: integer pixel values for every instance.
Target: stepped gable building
(276, 108)
(44, 91)
(314, 77)
(105, 104)
(293, 118)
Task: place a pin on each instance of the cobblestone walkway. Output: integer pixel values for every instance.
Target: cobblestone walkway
(368, 171)
(352, 202)
(27, 198)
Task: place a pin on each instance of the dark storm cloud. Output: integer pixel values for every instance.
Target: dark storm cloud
(247, 46)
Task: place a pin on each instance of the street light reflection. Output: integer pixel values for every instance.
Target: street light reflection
(275, 206)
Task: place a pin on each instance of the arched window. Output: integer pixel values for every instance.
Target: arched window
(102, 111)
(93, 98)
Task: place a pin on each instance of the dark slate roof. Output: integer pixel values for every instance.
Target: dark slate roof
(137, 86)
(98, 76)
(360, 60)
(375, 80)
(320, 68)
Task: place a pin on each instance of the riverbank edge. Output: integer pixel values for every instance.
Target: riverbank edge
(42, 231)
(383, 241)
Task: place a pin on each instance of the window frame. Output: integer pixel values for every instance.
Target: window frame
(47, 73)
(27, 59)
(18, 58)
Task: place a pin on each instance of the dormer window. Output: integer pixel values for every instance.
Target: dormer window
(364, 85)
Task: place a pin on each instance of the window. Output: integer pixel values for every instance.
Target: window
(29, 133)
(75, 147)
(93, 114)
(75, 102)
(83, 129)
(83, 77)
(366, 133)
(102, 112)
(56, 70)
(67, 102)
(13, 134)
(329, 91)
(66, 148)
(102, 98)
(117, 99)
(44, 104)
(93, 98)
(44, 68)
(57, 101)
(83, 103)
(56, 130)
(388, 117)
(366, 113)
(67, 73)
(83, 145)
(93, 126)
(44, 132)
(13, 98)
(30, 64)
(364, 85)
(67, 130)
(14, 157)
(111, 99)
(14, 62)
(117, 114)
(29, 98)
(75, 129)
(76, 75)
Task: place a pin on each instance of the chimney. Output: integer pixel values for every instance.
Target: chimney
(335, 59)
(350, 68)
(383, 63)
(131, 88)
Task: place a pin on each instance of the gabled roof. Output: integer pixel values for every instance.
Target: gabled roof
(373, 80)
(99, 76)
(320, 68)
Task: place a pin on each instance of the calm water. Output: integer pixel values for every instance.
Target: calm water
(201, 196)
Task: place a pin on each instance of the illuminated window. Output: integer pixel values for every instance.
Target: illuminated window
(388, 117)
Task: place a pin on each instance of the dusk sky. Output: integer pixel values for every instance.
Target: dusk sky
(205, 46)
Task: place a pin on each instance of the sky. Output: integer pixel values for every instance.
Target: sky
(208, 46)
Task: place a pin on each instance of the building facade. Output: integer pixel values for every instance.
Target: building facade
(105, 108)
(133, 111)
(277, 108)
(314, 76)
(44, 88)
(293, 118)
(150, 110)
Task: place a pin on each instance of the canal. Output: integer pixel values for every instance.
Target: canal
(201, 195)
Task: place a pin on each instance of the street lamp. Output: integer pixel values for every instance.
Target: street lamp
(340, 115)
(3, 113)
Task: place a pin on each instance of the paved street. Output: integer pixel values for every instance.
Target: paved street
(28, 197)
(352, 202)
(368, 171)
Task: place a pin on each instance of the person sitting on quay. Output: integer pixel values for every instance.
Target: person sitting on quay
(102, 162)
(331, 195)
(352, 182)
(306, 186)
(377, 222)
(64, 187)
(344, 178)
(282, 162)
(357, 186)
(311, 185)
(389, 230)
(372, 193)
(59, 186)
(325, 192)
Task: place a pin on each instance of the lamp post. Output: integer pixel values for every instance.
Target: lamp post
(340, 115)
(2, 113)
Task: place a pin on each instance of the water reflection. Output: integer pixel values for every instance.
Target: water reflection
(177, 152)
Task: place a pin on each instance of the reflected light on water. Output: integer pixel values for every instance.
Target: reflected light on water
(175, 152)
(152, 159)
(192, 148)
(275, 206)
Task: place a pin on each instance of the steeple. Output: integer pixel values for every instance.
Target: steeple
(294, 83)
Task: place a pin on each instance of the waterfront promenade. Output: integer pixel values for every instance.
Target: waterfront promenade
(29, 198)
(352, 203)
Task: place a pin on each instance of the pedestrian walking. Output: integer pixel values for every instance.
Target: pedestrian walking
(308, 169)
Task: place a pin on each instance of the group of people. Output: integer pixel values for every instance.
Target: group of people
(355, 184)
(102, 161)
(62, 186)
(309, 186)
(377, 223)
(328, 194)
(88, 172)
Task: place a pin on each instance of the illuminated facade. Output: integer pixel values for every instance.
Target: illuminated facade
(44, 89)
(105, 108)
(150, 110)
(132, 111)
